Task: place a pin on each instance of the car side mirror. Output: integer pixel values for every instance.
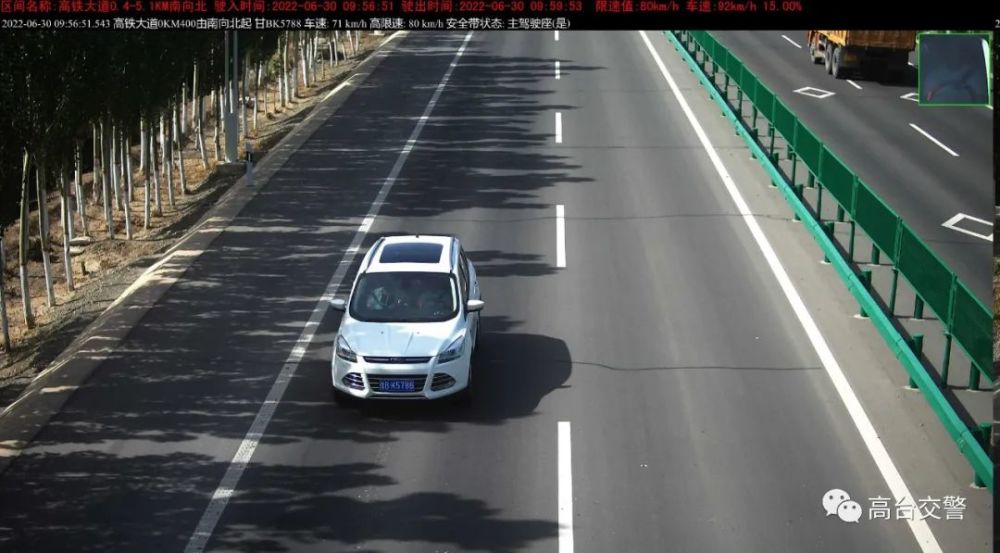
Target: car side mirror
(338, 305)
(474, 305)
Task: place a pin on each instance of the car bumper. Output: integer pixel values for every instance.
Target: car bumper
(431, 380)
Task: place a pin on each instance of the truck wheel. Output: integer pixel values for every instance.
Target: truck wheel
(828, 58)
(812, 54)
(837, 71)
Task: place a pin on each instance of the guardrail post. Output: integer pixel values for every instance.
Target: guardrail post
(819, 200)
(982, 433)
(918, 308)
(917, 345)
(892, 293)
(946, 362)
(840, 213)
(795, 161)
(828, 229)
(875, 255)
(973, 377)
(850, 243)
(866, 279)
(797, 188)
(774, 155)
(811, 180)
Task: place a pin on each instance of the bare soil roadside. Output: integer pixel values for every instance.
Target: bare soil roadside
(108, 266)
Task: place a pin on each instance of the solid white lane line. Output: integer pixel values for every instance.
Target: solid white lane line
(560, 236)
(337, 88)
(795, 44)
(557, 35)
(934, 140)
(557, 69)
(558, 127)
(565, 489)
(227, 486)
(854, 84)
(921, 530)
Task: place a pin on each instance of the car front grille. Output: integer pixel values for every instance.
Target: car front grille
(442, 381)
(375, 381)
(354, 380)
(397, 360)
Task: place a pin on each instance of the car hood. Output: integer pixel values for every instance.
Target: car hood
(399, 339)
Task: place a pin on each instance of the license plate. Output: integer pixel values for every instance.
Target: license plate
(397, 386)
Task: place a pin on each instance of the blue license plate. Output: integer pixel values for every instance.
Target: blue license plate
(397, 386)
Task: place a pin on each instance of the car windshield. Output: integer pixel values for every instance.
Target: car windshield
(404, 297)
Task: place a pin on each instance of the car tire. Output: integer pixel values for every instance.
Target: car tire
(828, 58)
(464, 397)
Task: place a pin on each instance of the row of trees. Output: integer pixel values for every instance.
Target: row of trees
(122, 106)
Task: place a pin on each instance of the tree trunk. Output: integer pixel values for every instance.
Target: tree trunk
(256, 95)
(129, 176)
(41, 179)
(183, 101)
(115, 167)
(4, 322)
(199, 114)
(81, 200)
(304, 59)
(331, 42)
(170, 128)
(167, 173)
(67, 224)
(64, 205)
(195, 104)
(167, 153)
(142, 147)
(22, 243)
(105, 189)
(96, 185)
(147, 174)
(123, 174)
(244, 92)
(180, 163)
(216, 101)
(155, 185)
(126, 183)
(286, 97)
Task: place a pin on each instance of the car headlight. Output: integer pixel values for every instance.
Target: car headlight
(453, 351)
(344, 351)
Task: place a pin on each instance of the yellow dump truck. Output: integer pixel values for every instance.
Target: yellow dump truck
(870, 53)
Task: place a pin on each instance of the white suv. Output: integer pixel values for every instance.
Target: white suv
(411, 322)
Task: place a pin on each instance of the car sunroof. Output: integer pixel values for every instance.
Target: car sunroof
(411, 253)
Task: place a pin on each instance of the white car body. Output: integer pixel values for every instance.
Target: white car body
(389, 353)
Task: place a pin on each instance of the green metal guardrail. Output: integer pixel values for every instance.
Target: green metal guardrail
(965, 319)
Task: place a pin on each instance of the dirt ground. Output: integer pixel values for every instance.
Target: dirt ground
(105, 268)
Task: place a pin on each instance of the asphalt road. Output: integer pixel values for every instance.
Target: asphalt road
(700, 418)
(869, 128)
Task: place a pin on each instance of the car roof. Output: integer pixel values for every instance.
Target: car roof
(412, 253)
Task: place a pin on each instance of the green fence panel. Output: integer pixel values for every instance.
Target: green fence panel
(733, 66)
(836, 177)
(807, 146)
(929, 276)
(973, 329)
(712, 45)
(748, 82)
(878, 221)
(784, 121)
(765, 101)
